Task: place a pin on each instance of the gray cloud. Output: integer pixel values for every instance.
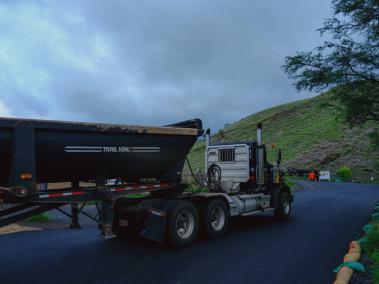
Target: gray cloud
(151, 62)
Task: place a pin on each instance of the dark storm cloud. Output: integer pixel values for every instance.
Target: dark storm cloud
(151, 62)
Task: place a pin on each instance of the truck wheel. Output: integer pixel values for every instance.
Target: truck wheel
(283, 209)
(183, 224)
(215, 218)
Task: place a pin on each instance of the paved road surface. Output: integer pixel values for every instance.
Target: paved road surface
(258, 249)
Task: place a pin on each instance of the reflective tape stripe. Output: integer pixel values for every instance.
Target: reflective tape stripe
(73, 193)
(60, 194)
(148, 186)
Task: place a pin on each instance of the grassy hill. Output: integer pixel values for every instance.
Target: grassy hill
(310, 136)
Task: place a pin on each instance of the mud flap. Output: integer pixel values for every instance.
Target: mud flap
(155, 226)
(275, 197)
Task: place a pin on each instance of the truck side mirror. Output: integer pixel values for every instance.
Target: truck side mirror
(279, 157)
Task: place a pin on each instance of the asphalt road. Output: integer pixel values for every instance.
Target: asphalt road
(257, 249)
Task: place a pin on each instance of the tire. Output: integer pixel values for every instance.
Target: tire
(183, 225)
(215, 218)
(283, 208)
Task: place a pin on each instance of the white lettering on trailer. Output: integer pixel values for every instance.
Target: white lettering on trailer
(82, 149)
(146, 149)
(111, 149)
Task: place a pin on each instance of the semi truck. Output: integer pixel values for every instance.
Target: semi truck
(138, 159)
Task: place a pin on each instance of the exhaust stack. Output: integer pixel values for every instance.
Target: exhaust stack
(260, 156)
(208, 137)
(259, 134)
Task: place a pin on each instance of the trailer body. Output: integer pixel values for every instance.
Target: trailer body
(39, 151)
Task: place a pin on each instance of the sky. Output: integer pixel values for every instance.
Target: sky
(151, 62)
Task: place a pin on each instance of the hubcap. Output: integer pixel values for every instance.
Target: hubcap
(286, 206)
(217, 218)
(185, 224)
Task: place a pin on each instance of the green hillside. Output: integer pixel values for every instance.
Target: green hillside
(309, 135)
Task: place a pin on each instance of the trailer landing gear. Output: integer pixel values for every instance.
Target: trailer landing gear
(106, 214)
(74, 216)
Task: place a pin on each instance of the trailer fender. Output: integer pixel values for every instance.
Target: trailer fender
(156, 212)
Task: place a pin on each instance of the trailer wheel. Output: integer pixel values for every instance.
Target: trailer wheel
(283, 209)
(215, 218)
(183, 224)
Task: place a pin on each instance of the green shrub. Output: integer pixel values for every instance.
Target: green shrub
(195, 188)
(288, 181)
(374, 138)
(370, 245)
(39, 218)
(345, 173)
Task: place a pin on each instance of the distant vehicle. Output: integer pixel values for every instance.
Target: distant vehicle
(312, 176)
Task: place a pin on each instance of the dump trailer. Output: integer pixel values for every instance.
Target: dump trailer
(136, 159)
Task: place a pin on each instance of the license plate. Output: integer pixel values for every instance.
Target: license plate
(123, 223)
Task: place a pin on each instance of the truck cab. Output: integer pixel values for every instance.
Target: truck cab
(241, 166)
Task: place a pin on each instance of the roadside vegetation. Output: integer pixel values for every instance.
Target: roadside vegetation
(289, 181)
(310, 135)
(345, 173)
(39, 218)
(370, 244)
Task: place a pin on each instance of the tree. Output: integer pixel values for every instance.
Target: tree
(348, 63)
(345, 173)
